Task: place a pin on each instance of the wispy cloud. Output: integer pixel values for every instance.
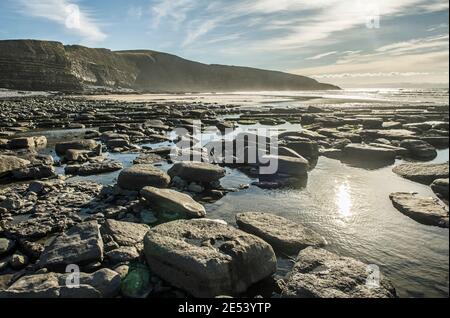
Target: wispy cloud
(175, 10)
(319, 56)
(66, 13)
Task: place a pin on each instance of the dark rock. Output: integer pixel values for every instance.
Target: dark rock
(419, 149)
(82, 244)
(197, 171)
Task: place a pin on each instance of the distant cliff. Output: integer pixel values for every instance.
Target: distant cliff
(43, 65)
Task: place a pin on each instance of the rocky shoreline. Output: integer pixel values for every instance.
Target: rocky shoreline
(149, 234)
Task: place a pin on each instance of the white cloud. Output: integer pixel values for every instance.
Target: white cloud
(66, 13)
(319, 56)
(174, 10)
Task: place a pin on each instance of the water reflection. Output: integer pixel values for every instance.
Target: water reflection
(343, 200)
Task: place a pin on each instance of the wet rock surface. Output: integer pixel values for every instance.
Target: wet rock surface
(282, 234)
(421, 172)
(47, 200)
(428, 211)
(318, 273)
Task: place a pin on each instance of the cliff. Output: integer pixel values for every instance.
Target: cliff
(43, 65)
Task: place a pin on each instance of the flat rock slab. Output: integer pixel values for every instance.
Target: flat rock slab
(94, 168)
(282, 234)
(208, 258)
(286, 165)
(86, 144)
(318, 273)
(428, 211)
(370, 153)
(197, 171)
(171, 201)
(422, 172)
(139, 176)
(104, 283)
(9, 163)
(125, 233)
(81, 244)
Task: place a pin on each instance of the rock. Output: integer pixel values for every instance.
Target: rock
(282, 234)
(122, 254)
(147, 159)
(318, 273)
(9, 163)
(368, 153)
(419, 149)
(125, 233)
(289, 165)
(117, 143)
(440, 187)
(18, 261)
(421, 172)
(173, 201)
(81, 244)
(136, 283)
(372, 123)
(86, 144)
(6, 246)
(207, 258)
(332, 153)
(197, 171)
(398, 150)
(139, 176)
(34, 172)
(22, 142)
(428, 211)
(305, 147)
(94, 168)
(36, 187)
(104, 283)
(195, 188)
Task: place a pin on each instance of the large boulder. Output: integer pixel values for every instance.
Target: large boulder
(104, 283)
(282, 234)
(208, 258)
(318, 273)
(9, 163)
(139, 176)
(422, 172)
(197, 171)
(428, 211)
(86, 144)
(166, 200)
(419, 149)
(82, 244)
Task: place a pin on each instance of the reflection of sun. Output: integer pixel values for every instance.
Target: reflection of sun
(343, 200)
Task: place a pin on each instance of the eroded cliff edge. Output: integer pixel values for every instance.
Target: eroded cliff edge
(51, 66)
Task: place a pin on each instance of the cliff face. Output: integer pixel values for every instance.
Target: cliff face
(41, 65)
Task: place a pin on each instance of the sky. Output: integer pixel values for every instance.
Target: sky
(350, 43)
